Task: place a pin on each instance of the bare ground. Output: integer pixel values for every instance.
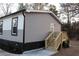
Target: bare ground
(4, 53)
(73, 50)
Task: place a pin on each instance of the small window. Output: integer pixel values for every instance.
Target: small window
(1, 27)
(51, 27)
(14, 26)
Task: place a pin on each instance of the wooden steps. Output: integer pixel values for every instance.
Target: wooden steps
(54, 40)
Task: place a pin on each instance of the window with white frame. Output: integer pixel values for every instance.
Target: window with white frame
(14, 26)
(51, 27)
(1, 27)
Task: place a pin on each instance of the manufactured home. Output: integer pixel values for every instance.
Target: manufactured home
(27, 29)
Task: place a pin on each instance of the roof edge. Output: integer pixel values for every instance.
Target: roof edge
(34, 11)
(13, 13)
(55, 17)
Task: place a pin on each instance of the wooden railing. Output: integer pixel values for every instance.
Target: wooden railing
(64, 36)
(49, 40)
(58, 41)
(54, 41)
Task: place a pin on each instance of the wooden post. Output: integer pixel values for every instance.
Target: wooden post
(45, 44)
(61, 38)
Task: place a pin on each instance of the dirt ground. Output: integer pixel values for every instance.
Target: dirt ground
(73, 50)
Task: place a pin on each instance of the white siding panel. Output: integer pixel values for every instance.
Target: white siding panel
(38, 25)
(20, 22)
(7, 22)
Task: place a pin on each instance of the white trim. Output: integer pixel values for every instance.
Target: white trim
(52, 27)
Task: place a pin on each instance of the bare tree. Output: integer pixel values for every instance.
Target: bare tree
(21, 6)
(39, 6)
(6, 8)
(70, 9)
(53, 9)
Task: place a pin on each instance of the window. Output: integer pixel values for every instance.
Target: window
(1, 27)
(14, 26)
(51, 27)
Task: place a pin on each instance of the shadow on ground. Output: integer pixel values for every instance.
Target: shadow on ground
(72, 51)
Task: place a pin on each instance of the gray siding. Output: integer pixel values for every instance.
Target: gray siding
(37, 26)
(7, 22)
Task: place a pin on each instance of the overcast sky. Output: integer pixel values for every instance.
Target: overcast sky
(39, 1)
(55, 2)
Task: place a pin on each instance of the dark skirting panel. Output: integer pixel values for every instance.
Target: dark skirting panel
(34, 45)
(16, 47)
(11, 46)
